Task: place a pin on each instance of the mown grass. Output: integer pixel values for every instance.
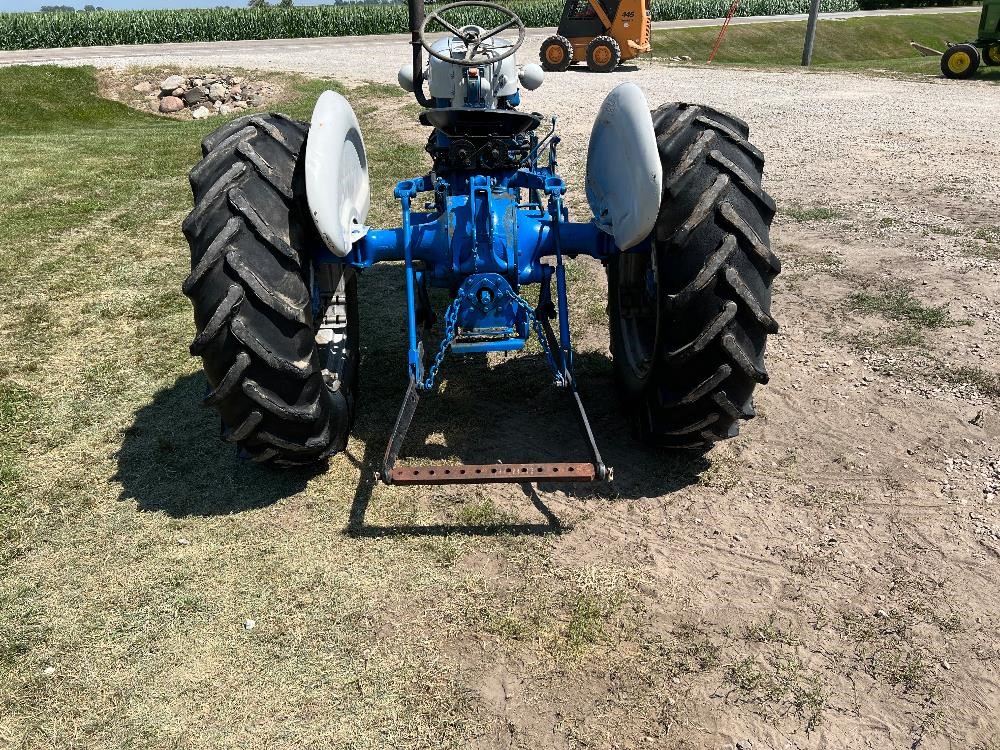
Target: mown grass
(134, 544)
(877, 43)
(98, 409)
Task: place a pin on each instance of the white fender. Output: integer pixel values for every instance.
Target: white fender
(337, 186)
(405, 78)
(624, 174)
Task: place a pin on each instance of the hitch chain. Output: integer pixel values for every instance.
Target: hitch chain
(451, 332)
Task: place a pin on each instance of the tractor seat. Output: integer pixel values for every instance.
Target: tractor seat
(459, 121)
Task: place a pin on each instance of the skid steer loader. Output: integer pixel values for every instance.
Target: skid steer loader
(602, 33)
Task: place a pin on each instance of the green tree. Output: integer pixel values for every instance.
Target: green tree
(258, 3)
(285, 3)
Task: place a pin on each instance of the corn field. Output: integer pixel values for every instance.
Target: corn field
(41, 30)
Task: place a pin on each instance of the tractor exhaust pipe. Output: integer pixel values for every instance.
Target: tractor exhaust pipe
(416, 9)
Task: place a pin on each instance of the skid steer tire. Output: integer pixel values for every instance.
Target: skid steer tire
(556, 54)
(689, 320)
(603, 54)
(283, 399)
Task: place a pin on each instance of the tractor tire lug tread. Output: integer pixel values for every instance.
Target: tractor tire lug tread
(707, 274)
(244, 430)
(706, 386)
(291, 308)
(299, 369)
(743, 359)
(250, 235)
(743, 291)
(697, 427)
(745, 181)
(274, 403)
(229, 381)
(242, 205)
(691, 157)
(223, 311)
(731, 217)
(702, 212)
(312, 444)
(280, 182)
(215, 252)
(194, 223)
(714, 270)
(727, 406)
(738, 136)
(220, 156)
(705, 336)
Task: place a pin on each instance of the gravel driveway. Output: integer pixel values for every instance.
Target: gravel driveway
(900, 134)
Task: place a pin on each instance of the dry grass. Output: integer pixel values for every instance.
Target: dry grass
(136, 548)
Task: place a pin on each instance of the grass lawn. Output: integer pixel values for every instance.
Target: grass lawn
(155, 590)
(877, 43)
(120, 628)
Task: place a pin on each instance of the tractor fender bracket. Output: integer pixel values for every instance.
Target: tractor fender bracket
(337, 185)
(624, 173)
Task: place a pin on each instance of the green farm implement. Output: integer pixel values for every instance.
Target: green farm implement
(963, 60)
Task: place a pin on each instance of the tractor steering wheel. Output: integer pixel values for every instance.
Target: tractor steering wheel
(473, 36)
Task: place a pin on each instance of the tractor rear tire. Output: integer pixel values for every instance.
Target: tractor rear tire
(991, 54)
(283, 399)
(960, 61)
(603, 54)
(690, 318)
(556, 54)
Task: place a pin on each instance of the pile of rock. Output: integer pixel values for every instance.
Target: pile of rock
(201, 95)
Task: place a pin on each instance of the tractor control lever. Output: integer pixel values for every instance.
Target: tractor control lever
(416, 13)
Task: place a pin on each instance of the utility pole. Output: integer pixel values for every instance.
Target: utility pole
(807, 51)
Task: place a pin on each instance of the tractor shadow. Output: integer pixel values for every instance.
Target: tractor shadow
(508, 413)
(173, 460)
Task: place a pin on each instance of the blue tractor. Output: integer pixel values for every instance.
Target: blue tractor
(279, 241)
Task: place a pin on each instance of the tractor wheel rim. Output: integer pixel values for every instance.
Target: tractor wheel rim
(959, 62)
(555, 54)
(602, 55)
(638, 303)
